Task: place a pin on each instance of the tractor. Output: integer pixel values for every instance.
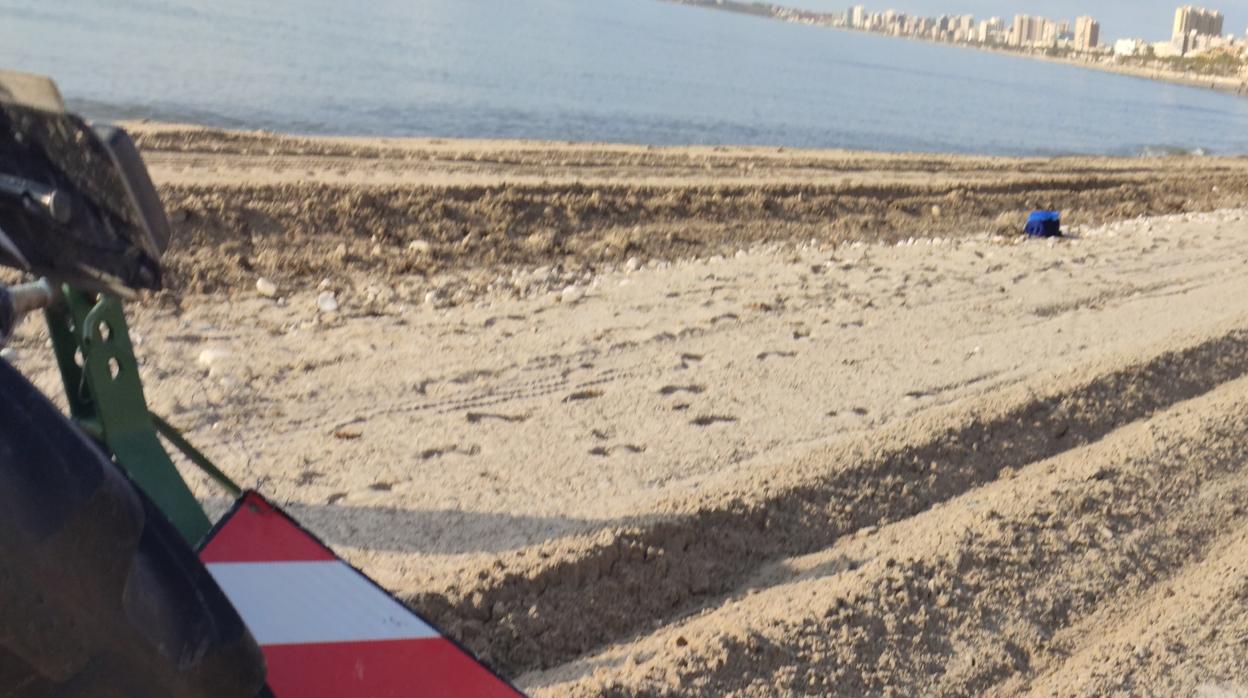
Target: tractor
(114, 581)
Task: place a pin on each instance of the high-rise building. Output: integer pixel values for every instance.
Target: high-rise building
(966, 25)
(1032, 31)
(1021, 31)
(1087, 33)
(983, 32)
(857, 16)
(1190, 20)
(1048, 32)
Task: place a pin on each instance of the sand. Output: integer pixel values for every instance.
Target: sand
(453, 216)
(740, 422)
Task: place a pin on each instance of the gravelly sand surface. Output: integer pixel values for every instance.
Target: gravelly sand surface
(453, 217)
(782, 452)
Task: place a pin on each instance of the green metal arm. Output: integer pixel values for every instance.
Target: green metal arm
(173, 436)
(101, 377)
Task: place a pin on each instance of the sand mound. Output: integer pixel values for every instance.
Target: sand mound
(729, 539)
(1114, 567)
(458, 214)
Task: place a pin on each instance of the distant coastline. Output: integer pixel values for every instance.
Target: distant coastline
(1230, 85)
(1236, 86)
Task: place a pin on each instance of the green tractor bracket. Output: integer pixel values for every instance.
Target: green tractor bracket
(105, 394)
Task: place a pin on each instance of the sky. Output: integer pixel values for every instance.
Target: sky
(1146, 19)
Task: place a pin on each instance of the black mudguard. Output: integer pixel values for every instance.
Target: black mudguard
(99, 596)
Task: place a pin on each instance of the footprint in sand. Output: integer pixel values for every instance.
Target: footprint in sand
(583, 395)
(307, 477)
(490, 322)
(710, 419)
(674, 389)
(687, 359)
(473, 376)
(604, 451)
(478, 417)
(455, 449)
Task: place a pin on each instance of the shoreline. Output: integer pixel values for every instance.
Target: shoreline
(1233, 86)
(1229, 85)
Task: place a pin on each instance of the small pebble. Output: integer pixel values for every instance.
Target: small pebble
(419, 247)
(8, 354)
(327, 302)
(212, 356)
(266, 288)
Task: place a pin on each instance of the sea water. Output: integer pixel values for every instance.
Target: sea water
(639, 71)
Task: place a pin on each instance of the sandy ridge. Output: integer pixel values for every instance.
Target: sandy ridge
(712, 544)
(975, 596)
(448, 216)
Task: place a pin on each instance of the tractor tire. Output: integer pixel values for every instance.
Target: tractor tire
(99, 596)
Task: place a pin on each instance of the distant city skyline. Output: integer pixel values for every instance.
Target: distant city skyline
(1146, 19)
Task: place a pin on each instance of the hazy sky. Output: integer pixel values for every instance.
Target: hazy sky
(1149, 19)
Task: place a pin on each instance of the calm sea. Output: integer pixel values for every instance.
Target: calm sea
(607, 70)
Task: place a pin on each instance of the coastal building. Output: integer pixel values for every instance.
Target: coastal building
(1048, 33)
(1129, 47)
(900, 22)
(858, 17)
(966, 27)
(1189, 20)
(982, 32)
(1018, 30)
(1024, 30)
(990, 31)
(893, 22)
(1165, 49)
(1195, 43)
(1087, 34)
(1033, 31)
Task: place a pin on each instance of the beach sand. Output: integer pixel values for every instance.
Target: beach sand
(722, 421)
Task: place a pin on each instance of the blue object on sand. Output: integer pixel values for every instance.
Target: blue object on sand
(1044, 224)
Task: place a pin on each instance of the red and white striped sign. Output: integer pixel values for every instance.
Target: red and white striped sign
(326, 630)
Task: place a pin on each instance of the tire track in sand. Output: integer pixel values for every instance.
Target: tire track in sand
(534, 602)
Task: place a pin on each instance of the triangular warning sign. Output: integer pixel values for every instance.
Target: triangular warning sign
(328, 631)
